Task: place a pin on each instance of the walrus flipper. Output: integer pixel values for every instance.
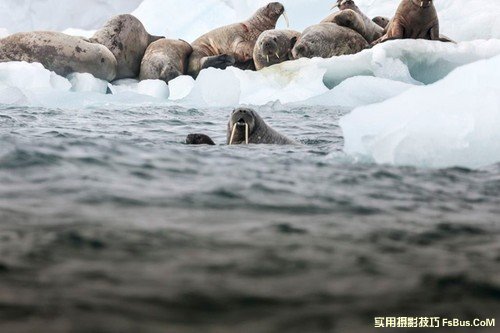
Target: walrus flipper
(220, 61)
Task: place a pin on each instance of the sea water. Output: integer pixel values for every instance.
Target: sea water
(110, 223)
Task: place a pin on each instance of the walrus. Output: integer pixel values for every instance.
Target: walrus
(415, 19)
(199, 139)
(327, 40)
(165, 60)
(274, 47)
(233, 45)
(351, 16)
(381, 21)
(246, 126)
(60, 53)
(126, 37)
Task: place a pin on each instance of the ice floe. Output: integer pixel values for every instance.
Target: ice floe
(454, 122)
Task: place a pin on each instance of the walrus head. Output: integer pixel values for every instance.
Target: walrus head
(275, 45)
(381, 21)
(199, 139)
(270, 14)
(345, 4)
(422, 3)
(242, 124)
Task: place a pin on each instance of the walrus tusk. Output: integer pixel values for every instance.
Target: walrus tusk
(285, 15)
(277, 55)
(335, 6)
(421, 4)
(267, 58)
(246, 133)
(232, 134)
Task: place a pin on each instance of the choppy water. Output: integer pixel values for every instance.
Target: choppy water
(110, 224)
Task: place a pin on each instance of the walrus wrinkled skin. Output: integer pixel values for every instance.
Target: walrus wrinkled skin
(274, 47)
(351, 16)
(233, 44)
(60, 53)
(165, 60)
(258, 131)
(415, 19)
(199, 139)
(327, 40)
(126, 37)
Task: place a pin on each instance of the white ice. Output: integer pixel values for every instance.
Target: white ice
(407, 61)
(454, 122)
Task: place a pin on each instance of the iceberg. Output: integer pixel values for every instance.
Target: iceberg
(154, 88)
(405, 62)
(85, 82)
(358, 91)
(454, 122)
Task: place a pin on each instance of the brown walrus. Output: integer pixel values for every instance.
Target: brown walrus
(199, 139)
(274, 47)
(59, 53)
(246, 126)
(233, 44)
(351, 16)
(327, 40)
(414, 19)
(126, 37)
(382, 21)
(165, 60)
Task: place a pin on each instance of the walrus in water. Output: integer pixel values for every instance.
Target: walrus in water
(59, 53)
(126, 37)
(246, 126)
(199, 139)
(351, 16)
(415, 19)
(165, 60)
(327, 40)
(274, 47)
(233, 44)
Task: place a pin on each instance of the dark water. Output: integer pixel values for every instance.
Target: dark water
(110, 224)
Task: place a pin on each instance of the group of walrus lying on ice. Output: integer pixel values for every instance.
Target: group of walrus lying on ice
(124, 49)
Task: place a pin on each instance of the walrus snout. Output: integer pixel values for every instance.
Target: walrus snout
(276, 8)
(242, 117)
(270, 48)
(423, 3)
